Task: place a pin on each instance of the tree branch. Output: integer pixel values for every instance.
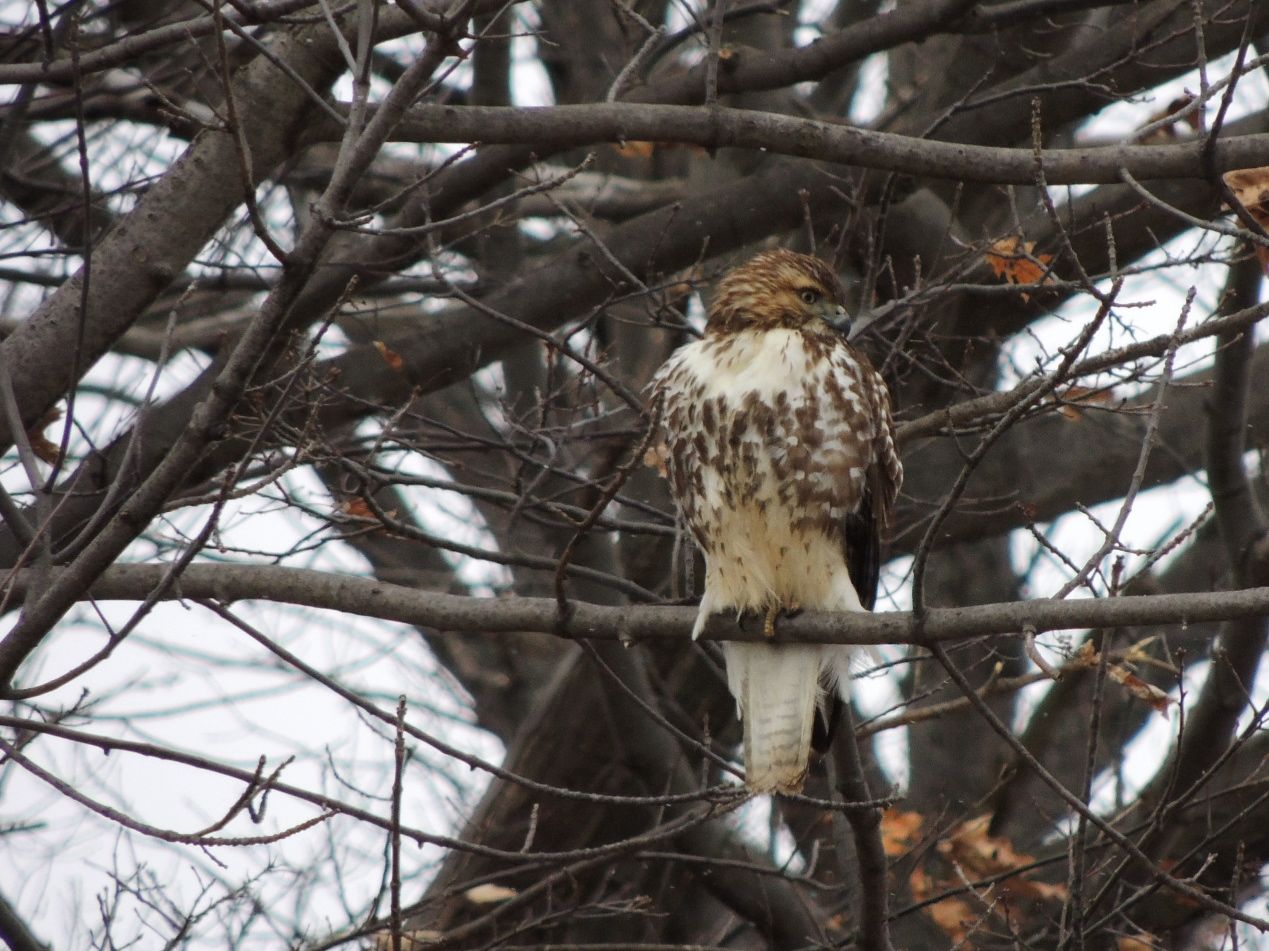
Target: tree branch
(865, 826)
(373, 598)
(1237, 653)
(15, 932)
(569, 126)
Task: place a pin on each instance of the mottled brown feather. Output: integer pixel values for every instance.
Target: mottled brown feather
(781, 459)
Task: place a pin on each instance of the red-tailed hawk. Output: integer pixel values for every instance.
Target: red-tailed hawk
(781, 458)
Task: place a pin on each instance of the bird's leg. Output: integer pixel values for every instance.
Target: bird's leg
(775, 610)
(769, 619)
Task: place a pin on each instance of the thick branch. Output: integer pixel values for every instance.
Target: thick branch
(212, 413)
(176, 216)
(570, 126)
(865, 825)
(15, 932)
(492, 615)
(1237, 653)
(1237, 514)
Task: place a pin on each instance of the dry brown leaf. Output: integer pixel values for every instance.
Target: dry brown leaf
(356, 508)
(45, 450)
(974, 854)
(920, 884)
(1147, 692)
(1069, 400)
(640, 148)
(1251, 188)
(955, 917)
(637, 149)
(971, 846)
(982, 856)
(898, 830)
(390, 356)
(1044, 891)
(489, 894)
(838, 922)
(657, 456)
(1137, 942)
(1016, 262)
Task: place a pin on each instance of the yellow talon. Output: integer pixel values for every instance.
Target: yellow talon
(768, 622)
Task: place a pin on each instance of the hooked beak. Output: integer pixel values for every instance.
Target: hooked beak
(839, 320)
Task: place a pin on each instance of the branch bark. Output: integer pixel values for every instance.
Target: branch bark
(653, 622)
(571, 126)
(176, 217)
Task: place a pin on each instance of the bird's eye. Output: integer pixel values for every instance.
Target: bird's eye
(809, 296)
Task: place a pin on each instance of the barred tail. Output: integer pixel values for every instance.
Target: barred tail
(776, 689)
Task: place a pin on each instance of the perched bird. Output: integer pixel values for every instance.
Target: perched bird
(779, 450)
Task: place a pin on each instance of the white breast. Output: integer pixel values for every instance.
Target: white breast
(766, 498)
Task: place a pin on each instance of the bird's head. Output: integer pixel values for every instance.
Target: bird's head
(778, 289)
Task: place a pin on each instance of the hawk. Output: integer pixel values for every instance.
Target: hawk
(780, 455)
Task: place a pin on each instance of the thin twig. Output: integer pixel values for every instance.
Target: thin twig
(714, 54)
(1015, 412)
(1111, 536)
(1127, 845)
(394, 835)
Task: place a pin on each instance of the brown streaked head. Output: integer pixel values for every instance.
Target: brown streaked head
(777, 288)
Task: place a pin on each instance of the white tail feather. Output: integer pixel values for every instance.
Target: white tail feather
(776, 689)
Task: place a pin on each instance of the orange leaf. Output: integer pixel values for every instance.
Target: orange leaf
(838, 922)
(920, 884)
(1140, 689)
(898, 829)
(636, 149)
(1016, 262)
(356, 508)
(45, 450)
(1082, 394)
(974, 854)
(983, 856)
(954, 916)
(1251, 188)
(390, 356)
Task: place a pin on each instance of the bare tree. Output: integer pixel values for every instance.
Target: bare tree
(305, 306)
